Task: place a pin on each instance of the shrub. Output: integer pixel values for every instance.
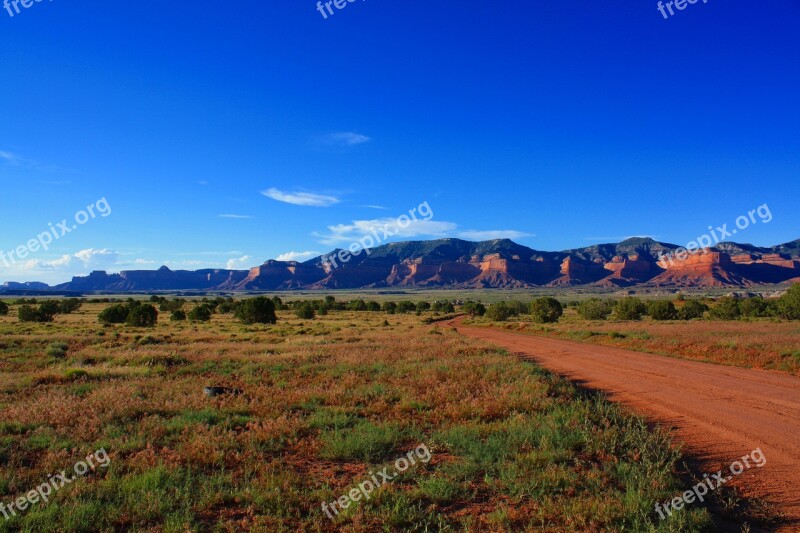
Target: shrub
(662, 310)
(443, 307)
(177, 316)
(517, 307)
(69, 306)
(26, 313)
(3, 308)
(116, 314)
(594, 309)
(630, 308)
(306, 311)
(201, 313)
(474, 308)
(389, 307)
(726, 308)
(357, 305)
(373, 306)
(500, 312)
(789, 303)
(50, 308)
(142, 316)
(753, 307)
(423, 306)
(258, 310)
(692, 309)
(57, 350)
(406, 307)
(546, 310)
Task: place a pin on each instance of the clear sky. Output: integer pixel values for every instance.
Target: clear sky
(227, 133)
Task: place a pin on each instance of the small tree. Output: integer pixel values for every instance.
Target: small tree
(201, 313)
(692, 309)
(258, 310)
(753, 307)
(423, 306)
(630, 308)
(26, 313)
(142, 316)
(178, 316)
(662, 310)
(50, 308)
(443, 307)
(726, 308)
(594, 309)
(306, 311)
(69, 306)
(389, 307)
(116, 314)
(499, 312)
(373, 306)
(406, 307)
(789, 303)
(546, 310)
(3, 308)
(356, 305)
(474, 308)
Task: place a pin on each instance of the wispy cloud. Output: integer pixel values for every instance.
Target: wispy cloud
(344, 139)
(297, 256)
(375, 207)
(347, 233)
(239, 263)
(490, 235)
(301, 198)
(242, 217)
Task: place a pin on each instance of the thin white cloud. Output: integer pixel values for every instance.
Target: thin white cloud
(239, 217)
(297, 256)
(375, 207)
(239, 263)
(348, 233)
(490, 235)
(301, 198)
(344, 139)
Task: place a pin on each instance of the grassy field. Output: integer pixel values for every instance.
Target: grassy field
(324, 405)
(769, 344)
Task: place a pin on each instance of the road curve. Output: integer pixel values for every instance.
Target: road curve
(718, 413)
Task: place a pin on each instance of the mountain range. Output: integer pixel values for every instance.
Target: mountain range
(455, 263)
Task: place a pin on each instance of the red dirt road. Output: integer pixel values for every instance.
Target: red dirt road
(718, 413)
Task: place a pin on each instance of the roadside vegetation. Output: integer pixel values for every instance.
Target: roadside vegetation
(304, 409)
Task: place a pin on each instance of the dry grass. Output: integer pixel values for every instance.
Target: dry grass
(324, 402)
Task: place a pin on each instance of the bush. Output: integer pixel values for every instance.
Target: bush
(789, 303)
(357, 305)
(116, 314)
(258, 310)
(423, 306)
(443, 307)
(474, 308)
(692, 309)
(662, 310)
(200, 313)
(517, 307)
(177, 316)
(499, 312)
(726, 308)
(753, 307)
(630, 308)
(594, 309)
(26, 313)
(546, 310)
(50, 308)
(142, 316)
(306, 311)
(3, 308)
(57, 350)
(406, 307)
(69, 306)
(389, 307)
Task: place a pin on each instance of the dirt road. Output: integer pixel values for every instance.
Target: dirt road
(719, 413)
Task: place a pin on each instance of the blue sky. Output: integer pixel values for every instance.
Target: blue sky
(224, 134)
